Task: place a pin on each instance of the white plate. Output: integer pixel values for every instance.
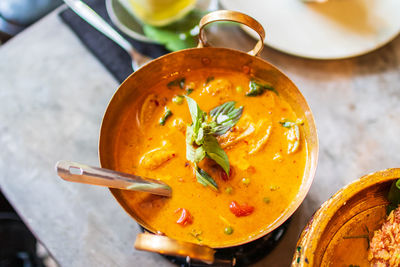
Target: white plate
(331, 30)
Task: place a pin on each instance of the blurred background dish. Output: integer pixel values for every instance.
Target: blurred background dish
(181, 33)
(329, 30)
(339, 233)
(127, 23)
(16, 15)
(158, 12)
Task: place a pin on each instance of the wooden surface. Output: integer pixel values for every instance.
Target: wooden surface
(53, 95)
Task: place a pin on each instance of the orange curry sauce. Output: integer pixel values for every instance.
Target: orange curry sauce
(266, 170)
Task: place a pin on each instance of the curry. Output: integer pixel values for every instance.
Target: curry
(230, 147)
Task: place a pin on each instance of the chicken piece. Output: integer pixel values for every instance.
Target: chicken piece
(232, 137)
(278, 157)
(293, 138)
(240, 162)
(218, 87)
(179, 124)
(242, 129)
(261, 136)
(156, 157)
(255, 135)
(148, 109)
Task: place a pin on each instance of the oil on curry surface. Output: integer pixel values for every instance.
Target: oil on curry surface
(264, 146)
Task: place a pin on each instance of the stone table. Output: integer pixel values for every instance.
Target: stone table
(53, 94)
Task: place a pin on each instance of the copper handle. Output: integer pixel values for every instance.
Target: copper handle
(234, 16)
(168, 246)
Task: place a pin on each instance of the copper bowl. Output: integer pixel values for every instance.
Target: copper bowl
(338, 234)
(198, 58)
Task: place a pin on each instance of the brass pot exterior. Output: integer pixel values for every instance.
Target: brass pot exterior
(216, 58)
(355, 206)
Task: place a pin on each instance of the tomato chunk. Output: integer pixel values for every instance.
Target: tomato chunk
(185, 217)
(240, 210)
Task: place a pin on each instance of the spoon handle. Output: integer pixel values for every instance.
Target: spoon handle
(91, 17)
(76, 172)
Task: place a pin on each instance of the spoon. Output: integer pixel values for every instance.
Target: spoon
(91, 17)
(80, 173)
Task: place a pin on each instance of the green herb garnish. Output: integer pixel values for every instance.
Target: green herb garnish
(167, 114)
(177, 82)
(201, 140)
(196, 234)
(257, 88)
(205, 179)
(189, 91)
(289, 123)
(228, 190)
(293, 133)
(209, 79)
(393, 196)
(215, 152)
(225, 117)
(178, 35)
(266, 200)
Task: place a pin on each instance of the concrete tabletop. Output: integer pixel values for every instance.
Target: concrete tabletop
(53, 95)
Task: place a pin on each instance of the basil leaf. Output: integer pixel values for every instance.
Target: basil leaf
(257, 88)
(198, 116)
(394, 196)
(189, 91)
(215, 152)
(222, 109)
(170, 39)
(200, 137)
(177, 82)
(177, 35)
(209, 79)
(225, 117)
(205, 179)
(195, 154)
(167, 114)
(194, 109)
(287, 124)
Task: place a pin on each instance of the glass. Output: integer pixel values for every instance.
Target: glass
(159, 12)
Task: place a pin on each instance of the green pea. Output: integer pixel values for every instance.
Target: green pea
(228, 230)
(246, 181)
(228, 190)
(239, 89)
(178, 99)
